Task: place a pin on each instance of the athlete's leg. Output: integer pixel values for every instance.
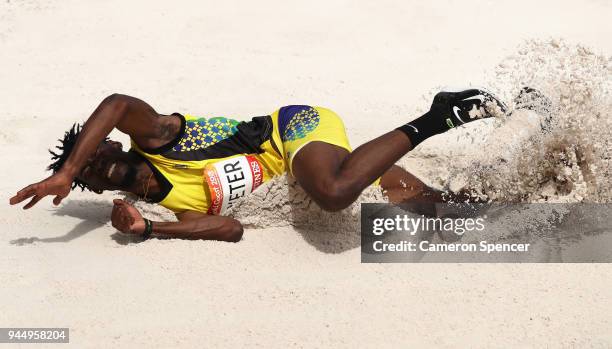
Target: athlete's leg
(334, 178)
(401, 186)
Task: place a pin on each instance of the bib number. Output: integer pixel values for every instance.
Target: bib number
(230, 180)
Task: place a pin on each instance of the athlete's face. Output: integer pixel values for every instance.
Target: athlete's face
(110, 168)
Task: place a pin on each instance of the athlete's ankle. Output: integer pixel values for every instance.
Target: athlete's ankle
(421, 128)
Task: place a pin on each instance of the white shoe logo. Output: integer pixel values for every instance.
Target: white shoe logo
(456, 111)
(478, 97)
(415, 129)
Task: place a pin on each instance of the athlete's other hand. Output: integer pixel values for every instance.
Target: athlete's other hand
(59, 184)
(126, 218)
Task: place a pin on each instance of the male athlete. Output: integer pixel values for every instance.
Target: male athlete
(198, 167)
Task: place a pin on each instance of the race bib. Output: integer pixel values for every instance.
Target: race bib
(230, 180)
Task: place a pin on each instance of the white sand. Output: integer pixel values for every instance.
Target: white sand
(301, 286)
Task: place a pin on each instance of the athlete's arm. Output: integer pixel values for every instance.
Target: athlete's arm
(191, 225)
(129, 115)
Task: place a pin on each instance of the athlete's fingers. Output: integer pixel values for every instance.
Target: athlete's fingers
(33, 202)
(29, 188)
(115, 217)
(23, 194)
(117, 224)
(120, 221)
(121, 217)
(129, 219)
(125, 209)
(57, 200)
(119, 213)
(124, 218)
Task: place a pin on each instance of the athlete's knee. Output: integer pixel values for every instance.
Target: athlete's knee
(335, 196)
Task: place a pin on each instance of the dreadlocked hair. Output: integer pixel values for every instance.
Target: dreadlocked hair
(64, 150)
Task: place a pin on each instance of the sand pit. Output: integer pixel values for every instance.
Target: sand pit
(296, 278)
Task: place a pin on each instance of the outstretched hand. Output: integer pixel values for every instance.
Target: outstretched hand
(126, 218)
(58, 184)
